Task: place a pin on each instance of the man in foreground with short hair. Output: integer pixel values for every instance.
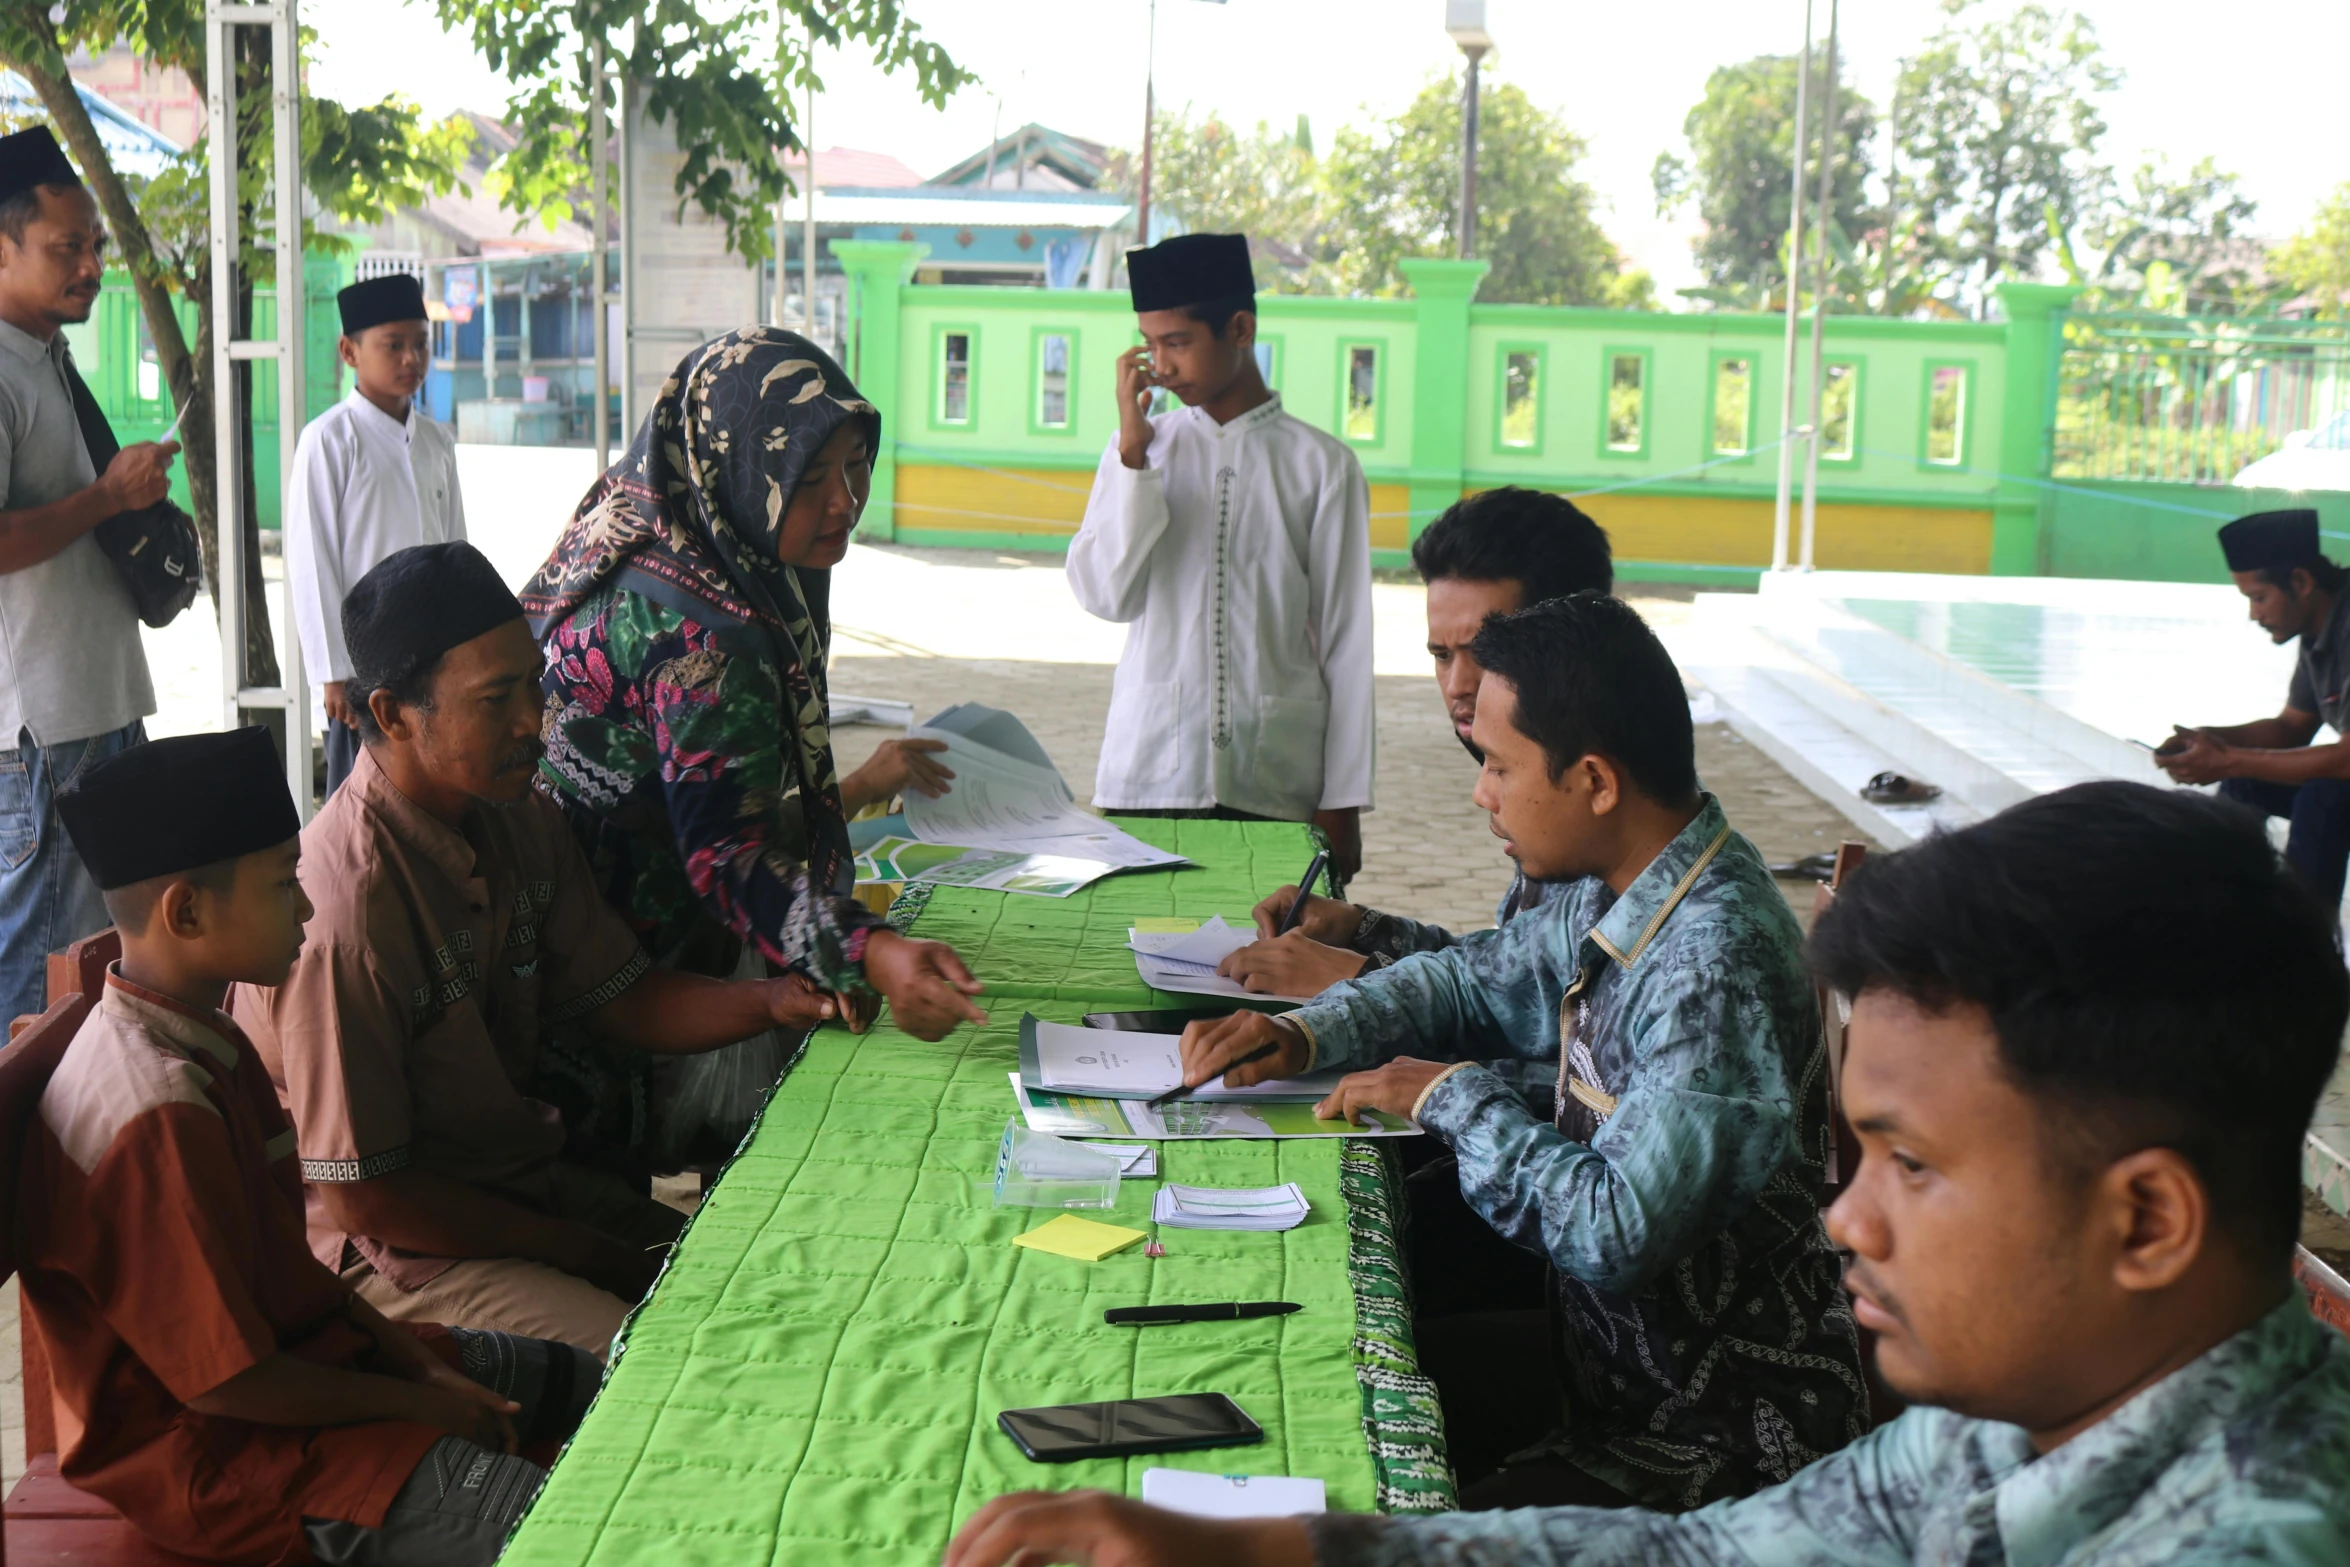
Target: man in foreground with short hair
(1633, 1083)
(464, 978)
(1494, 553)
(2087, 1036)
(2273, 764)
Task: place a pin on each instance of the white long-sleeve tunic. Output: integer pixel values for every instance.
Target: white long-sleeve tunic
(1239, 557)
(365, 485)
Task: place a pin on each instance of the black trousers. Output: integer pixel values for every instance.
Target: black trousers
(1481, 1321)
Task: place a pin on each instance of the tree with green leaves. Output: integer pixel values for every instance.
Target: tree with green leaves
(1741, 138)
(359, 163)
(1996, 126)
(2167, 242)
(1393, 190)
(1214, 177)
(722, 78)
(2316, 261)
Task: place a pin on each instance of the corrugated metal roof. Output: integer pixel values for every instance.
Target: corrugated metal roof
(135, 147)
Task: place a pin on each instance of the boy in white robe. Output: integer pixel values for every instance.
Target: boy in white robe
(372, 475)
(1234, 541)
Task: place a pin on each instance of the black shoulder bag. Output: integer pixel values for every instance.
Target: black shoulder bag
(154, 548)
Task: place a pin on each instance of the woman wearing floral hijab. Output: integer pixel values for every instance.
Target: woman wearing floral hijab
(684, 616)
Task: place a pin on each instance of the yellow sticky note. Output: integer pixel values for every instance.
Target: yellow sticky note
(1164, 925)
(1083, 1239)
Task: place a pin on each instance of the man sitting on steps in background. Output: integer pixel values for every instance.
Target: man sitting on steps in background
(2272, 764)
(1494, 553)
(2087, 1036)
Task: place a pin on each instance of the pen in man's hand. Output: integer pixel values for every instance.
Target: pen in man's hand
(1180, 1089)
(1305, 890)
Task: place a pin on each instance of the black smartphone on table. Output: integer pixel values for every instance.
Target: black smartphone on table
(1059, 1433)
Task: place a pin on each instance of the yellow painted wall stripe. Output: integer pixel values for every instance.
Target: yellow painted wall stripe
(1697, 530)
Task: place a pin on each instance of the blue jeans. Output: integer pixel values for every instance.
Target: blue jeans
(46, 898)
(2319, 845)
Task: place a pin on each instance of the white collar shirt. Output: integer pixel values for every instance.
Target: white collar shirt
(365, 485)
(1239, 559)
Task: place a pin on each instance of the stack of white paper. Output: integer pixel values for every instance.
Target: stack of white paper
(1186, 963)
(1114, 1064)
(1232, 1496)
(1230, 1208)
(1007, 795)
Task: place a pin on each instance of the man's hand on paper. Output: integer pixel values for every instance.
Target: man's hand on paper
(1096, 1529)
(1212, 1044)
(1325, 920)
(1291, 965)
(895, 767)
(1394, 1088)
(925, 983)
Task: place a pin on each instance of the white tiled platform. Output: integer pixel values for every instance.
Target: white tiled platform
(1996, 688)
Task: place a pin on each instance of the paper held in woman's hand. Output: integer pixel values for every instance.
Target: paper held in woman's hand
(1008, 795)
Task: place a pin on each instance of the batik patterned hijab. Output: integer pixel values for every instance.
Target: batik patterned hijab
(689, 518)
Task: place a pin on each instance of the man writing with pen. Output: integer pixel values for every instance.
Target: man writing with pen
(1632, 1079)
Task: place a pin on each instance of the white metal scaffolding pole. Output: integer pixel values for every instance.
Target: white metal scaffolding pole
(600, 161)
(1819, 303)
(1794, 271)
(291, 694)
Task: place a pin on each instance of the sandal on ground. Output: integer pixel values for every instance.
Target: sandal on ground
(1890, 788)
(1812, 867)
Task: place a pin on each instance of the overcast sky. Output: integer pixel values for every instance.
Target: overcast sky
(2260, 89)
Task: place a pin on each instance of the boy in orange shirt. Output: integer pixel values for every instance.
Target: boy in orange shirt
(213, 1380)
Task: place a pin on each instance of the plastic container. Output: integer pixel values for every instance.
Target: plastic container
(1037, 1170)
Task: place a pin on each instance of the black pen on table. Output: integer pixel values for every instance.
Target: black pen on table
(1180, 1089)
(1305, 890)
(1222, 1311)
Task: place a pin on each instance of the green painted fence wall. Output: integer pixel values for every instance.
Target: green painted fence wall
(111, 346)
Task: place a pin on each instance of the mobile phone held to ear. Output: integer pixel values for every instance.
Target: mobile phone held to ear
(1061, 1433)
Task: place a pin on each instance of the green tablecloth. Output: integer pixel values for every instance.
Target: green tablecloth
(818, 1374)
(1074, 948)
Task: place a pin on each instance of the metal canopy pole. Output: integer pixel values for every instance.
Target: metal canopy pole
(599, 159)
(1819, 300)
(292, 695)
(1794, 272)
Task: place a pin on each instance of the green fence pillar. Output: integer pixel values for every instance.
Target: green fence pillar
(877, 272)
(1440, 381)
(2027, 422)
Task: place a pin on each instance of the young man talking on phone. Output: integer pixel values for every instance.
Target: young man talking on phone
(1235, 541)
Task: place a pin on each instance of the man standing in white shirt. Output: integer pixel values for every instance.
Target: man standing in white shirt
(74, 688)
(1235, 541)
(372, 475)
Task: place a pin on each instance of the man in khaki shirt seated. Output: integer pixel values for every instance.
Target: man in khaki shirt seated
(459, 959)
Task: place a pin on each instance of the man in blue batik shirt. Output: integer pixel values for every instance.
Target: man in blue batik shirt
(2086, 1040)
(1634, 1084)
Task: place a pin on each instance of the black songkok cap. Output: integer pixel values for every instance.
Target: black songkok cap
(173, 805)
(30, 158)
(1190, 269)
(416, 605)
(2271, 539)
(395, 297)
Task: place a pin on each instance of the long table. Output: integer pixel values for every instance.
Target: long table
(817, 1376)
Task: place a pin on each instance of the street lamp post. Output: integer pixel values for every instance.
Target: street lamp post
(1150, 67)
(1465, 21)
